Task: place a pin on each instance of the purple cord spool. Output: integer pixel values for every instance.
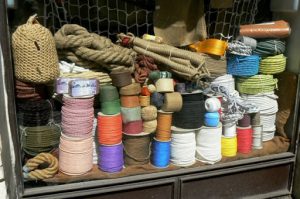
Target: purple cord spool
(245, 121)
(111, 158)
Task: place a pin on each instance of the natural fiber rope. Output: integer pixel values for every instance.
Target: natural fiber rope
(143, 66)
(272, 64)
(149, 113)
(144, 100)
(92, 47)
(31, 171)
(163, 54)
(120, 78)
(172, 102)
(131, 89)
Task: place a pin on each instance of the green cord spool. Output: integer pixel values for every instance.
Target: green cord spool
(269, 47)
(108, 93)
(155, 75)
(272, 64)
(111, 107)
(256, 84)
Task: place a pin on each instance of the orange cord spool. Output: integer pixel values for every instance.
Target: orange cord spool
(211, 46)
(109, 129)
(130, 101)
(164, 122)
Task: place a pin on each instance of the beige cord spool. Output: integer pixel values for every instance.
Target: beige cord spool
(151, 88)
(131, 89)
(164, 85)
(149, 113)
(172, 102)
(144, 100)
(149, 126)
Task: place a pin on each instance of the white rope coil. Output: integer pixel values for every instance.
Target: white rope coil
(227, 81)
(183, 147)
(208, 144)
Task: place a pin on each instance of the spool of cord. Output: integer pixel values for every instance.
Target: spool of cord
(157, 99)
(137, 149)
(164, 85)
(229, 129)
(134, 127)
(248, 41)
(257, 142)
(183, 147)
(208, 144)
(272, 64)
(131, 89)
(75, 155)
(111, 107)
(149, 126)
(180, 87)
(111, 158)
(212, 104)
(108, 93)
(131, 114)
(172, 102)
(149, 113)
(245, 121)
(269, 47)
(213, 47)
(145, 91)
(144, 100)
(255, 119)
(244, 139)
(155, 75)
(151, 88)
(120, 78)
(242, 66)
(130, 101)
(164, 123)
(229, 146)
(109, 129)
(30, 91)
(239, 48)
(161, 151)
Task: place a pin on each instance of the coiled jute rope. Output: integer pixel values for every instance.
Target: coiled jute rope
(194, 69)
(144, 100)
(272, 64)
(96, 49)
(143, 67)
(269, 47)
(32, 172)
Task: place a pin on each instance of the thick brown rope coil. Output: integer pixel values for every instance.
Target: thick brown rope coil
(143, 66)
(31, 171)
(91, 50)
(189, 65)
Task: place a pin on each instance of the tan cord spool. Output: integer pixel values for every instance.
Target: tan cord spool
(164, 85)
(172, 102)
(131, 89)
(151, 88)
(130, 101)
(164, 122)
(149, 113)
(144, 100)
(120, 78)
(34, 51)
(149, 126)
(31, 171)
(136, 148)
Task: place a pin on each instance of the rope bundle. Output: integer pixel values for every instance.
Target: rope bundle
(188, 65)
(35, 56)
(86, 49)
(109, 98)
(143, 66)
(32, 172)
(75, 155)
(256, 84)
(272, 64)
(30, 91)
(77, 116)
(109, 129)
(183, 147)
(239, 48)
(269, 47)
(39, 139)
(111, 158)
(136, 149)
(208, 144)
(242, 65)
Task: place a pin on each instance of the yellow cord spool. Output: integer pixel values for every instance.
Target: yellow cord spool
(210, 46)
(229, 146)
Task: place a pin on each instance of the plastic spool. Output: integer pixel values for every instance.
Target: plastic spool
(229, 129)
(212, 104)
(208, 144)
(183, 147)
(164, 85)
(257, 137)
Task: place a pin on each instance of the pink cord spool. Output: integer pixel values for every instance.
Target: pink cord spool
(75, 155)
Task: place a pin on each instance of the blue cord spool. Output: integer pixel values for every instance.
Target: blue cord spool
(211, 119)
(243, 66)
(161, 153)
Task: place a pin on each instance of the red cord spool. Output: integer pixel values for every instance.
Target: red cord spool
(244, 139)
(134, 127)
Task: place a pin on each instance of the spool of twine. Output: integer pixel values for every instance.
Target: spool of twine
(130, 101)
(172, 102)
(157, 99)
(131, 114)
(111, 158)
(131, 89)
(149, 113)
(257, 141)
(120, 78)
(109, 129)
(108, 93)
(244, 139)
(144, 100)
(111, 107)
(137, 149)
(164, 122)
(134, 127)
(229, 146)
(164, 85)
(245, 121)
(75, 155)
(161, 151)
(151, 88)
(145, 91)
(255, 118)
(149, 126)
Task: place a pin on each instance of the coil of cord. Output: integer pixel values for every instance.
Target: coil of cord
(239, 48)
(272, 64)
(242, 66)
(30, 91)
(269, 47)
(109, 98)
(111, 158)
(247, 41)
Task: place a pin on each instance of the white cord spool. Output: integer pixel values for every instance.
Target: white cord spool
(212, 104)
(164, 85)
(229, 129)
(183, 147)
(257, 137)
(208, 144)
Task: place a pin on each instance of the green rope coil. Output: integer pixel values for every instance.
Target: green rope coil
(269, 47)
(272, 64)
(256, 84)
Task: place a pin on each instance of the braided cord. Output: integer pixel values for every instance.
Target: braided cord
(272, 64)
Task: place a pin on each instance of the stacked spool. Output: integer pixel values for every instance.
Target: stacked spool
(244, 135)
(148, 112)
(76, 142)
